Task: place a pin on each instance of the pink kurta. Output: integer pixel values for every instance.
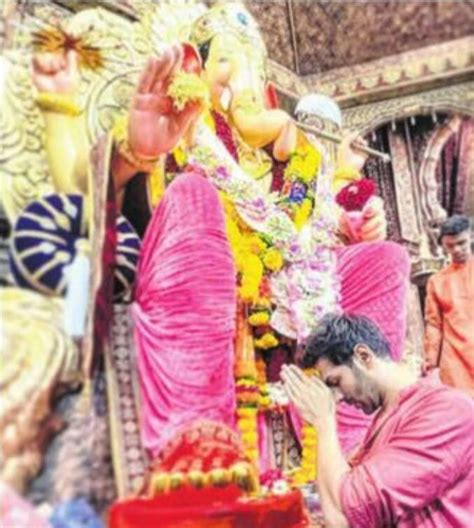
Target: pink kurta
(415, 466)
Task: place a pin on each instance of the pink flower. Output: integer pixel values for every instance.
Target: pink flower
(270, 477)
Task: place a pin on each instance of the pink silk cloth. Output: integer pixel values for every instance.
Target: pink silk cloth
(184, 313)
(415, 466)
(374, 282)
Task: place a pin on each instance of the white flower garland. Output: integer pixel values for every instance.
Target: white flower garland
(307, 287)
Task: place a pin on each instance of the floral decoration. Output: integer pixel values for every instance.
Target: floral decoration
(283, 247)
(355, 195)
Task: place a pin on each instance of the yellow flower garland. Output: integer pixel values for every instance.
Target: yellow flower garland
(259, 318)
(309, 441)
(304, 163)
(273, 260)
(252, 256)
(268, 340)
(307, 471)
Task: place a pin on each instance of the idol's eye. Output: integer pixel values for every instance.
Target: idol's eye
(243, 19)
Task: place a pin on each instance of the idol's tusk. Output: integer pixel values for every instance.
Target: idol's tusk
(337, 139)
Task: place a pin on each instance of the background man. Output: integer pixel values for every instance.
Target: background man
(414, 467)
(449, 314)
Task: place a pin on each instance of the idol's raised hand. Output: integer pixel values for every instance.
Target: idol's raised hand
(310, 395)
(56, 73)
(374, 226)
(155, 126)
(348, 155)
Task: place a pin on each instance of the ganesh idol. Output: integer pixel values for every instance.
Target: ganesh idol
(244, 247)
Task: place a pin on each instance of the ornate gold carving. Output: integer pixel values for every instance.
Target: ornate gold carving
(23, 166)
(404, 188)
(409, 70)
(103, 94)
(431, 209)
(37, 359)
(285, 80)
(455, 98)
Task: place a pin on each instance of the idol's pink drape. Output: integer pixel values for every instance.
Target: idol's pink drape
(374, 283)
(185, 313)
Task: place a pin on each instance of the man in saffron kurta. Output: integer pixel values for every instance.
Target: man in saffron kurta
(415, 465)
(449, 313)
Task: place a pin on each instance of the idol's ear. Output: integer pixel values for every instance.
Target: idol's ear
(271, 96)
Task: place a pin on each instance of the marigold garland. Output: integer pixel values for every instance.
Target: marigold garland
(273, 260)
(265, 400)
(259, 318)
(267, 341)
(247, 391)
(304, 163)
(308, 469)
(255, 259)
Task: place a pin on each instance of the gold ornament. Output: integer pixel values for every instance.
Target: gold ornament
(58, 103)
(120, 134)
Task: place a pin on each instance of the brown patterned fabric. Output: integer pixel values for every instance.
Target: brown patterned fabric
(455, 169)
(335, 34)
(382, 174)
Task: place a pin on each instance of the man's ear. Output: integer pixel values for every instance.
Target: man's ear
(364, 355)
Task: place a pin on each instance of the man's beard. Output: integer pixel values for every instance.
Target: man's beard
(366, 391)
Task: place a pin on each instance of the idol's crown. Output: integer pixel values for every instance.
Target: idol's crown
(225, 18)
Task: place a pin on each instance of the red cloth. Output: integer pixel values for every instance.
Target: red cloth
(285, 511)
(415, 466)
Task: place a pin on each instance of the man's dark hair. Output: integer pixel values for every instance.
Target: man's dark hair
(454, 225)
(336, 336)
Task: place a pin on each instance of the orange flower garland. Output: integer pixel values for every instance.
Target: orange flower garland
(247, 391)
(309, 441)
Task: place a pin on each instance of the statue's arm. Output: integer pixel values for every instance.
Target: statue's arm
(56, 77)
(350, 163)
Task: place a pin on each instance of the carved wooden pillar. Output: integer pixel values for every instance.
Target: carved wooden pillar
(405, 188)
